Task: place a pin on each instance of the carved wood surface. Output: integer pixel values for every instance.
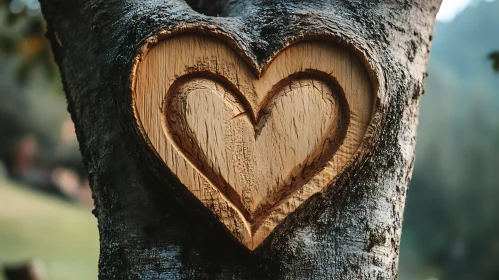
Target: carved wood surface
(251, 146)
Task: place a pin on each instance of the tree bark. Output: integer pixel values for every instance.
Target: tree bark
(151, 227)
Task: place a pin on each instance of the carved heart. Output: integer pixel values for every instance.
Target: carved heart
(252, 149)
(255, 163)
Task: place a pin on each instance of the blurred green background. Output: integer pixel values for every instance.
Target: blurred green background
(451, 225)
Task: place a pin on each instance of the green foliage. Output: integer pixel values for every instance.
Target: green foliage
(31, 96)
(22, 39)
(494, 57)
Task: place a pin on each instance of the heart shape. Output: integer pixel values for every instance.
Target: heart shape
(256, 161)
(251, 148)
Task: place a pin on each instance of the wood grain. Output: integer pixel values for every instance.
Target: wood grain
(252, 149)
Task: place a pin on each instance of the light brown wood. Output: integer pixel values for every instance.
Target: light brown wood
(252, 149)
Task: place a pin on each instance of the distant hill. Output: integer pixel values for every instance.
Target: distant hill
(451, 221)
(463, 44)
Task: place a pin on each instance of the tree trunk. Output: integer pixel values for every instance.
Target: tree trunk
(152, 226)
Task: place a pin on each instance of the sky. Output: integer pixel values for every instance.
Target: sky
(451, 8)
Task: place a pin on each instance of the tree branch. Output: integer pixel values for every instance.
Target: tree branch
(494, 57)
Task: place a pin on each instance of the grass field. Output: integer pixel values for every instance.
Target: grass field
(61, 235)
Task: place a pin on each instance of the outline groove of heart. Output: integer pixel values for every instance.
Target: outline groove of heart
(205, 90)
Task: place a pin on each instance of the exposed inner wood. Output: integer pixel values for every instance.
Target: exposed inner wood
(252, 149)
(255, 162)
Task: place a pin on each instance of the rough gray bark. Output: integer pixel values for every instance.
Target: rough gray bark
(152, 228)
